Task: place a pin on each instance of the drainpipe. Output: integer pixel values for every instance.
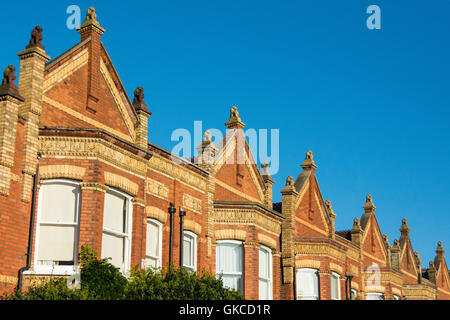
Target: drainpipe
(182, 214)
(172, 211)
(30, 232)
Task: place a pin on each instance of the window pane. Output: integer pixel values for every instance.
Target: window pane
(56, 243)
(152, 243)
(113, 247)
(334, 287)
(58, 202)
(187, 251)
(263, 264)
(113, 217)
(151, 262)
(374, 296)
(232, 281)
(264, 290)
(229, 257)
(307, 285)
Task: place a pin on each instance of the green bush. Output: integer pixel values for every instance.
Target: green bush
(100, 280)
(179, 284)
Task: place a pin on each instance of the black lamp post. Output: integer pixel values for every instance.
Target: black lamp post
(182, 214)
(172, 210)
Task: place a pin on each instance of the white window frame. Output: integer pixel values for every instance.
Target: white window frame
(159, 257)
(307, 270)
(129, 227)
(193, 239)
(338, 289)
(270, 268)
(241, 274)
(50, 269)
(375, 294)
(396, 297)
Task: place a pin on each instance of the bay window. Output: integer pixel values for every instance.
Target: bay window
(307, 284)
(265, 273)
(57, 227)
(116, 240)
(229, 263)
(190, 250)
(153, 246)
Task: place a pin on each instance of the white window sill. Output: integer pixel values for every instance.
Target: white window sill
(51, 272)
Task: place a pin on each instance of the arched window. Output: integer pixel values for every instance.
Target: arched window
(57, 227)
(190, 250)
(307, 284)
(335, 286)
(116, 240)
(229, 263)
(265, 273)
(153, 244)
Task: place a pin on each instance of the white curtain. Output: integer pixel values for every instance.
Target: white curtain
(59, 202)
(229, 263)
(152, 245)
(113, 247)
(113, 217)
(307, 284)
(56, 243)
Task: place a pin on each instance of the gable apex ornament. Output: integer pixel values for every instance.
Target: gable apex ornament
(234, 122)
(369, 206)
(308, 163)
(440, 249)
(404, 229)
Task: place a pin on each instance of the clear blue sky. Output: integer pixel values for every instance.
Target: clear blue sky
(373, 105)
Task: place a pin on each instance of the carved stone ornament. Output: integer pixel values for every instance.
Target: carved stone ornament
(36, 38)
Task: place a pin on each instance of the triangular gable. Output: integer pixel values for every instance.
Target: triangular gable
(237, 181)
(66, 94)
(407, 259)
(442, 275)
(311, 215)
(372, 241)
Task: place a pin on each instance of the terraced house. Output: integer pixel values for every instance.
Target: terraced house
(76, 167)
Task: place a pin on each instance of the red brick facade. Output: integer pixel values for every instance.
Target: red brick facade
(73, 111)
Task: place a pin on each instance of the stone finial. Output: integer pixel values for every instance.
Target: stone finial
(369, 206)
(309, 162)
(440, 249)
(9, 77)
(138, 101)
(265, 173)
(396, 244)
(207, 136)
(91, 21)
(234, 122)
(404, 229)
(8, 86)
(36, 38)
(356, 225)
(329, 207)
(386, 241)
(289, 181)
(417, 258)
